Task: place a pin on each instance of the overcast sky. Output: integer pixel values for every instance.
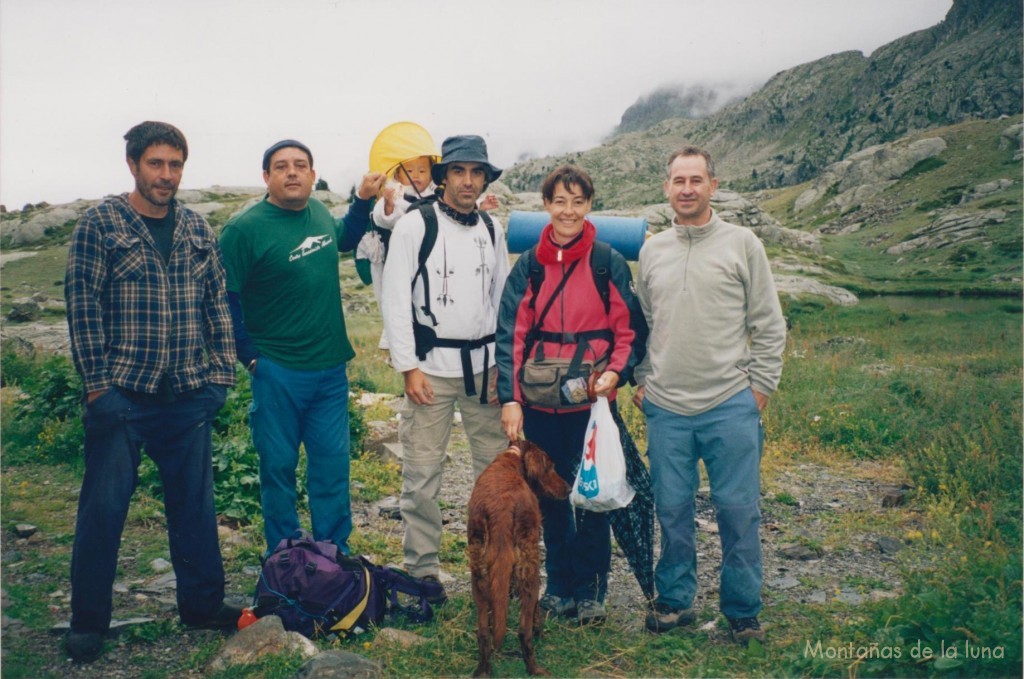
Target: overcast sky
(531, 76)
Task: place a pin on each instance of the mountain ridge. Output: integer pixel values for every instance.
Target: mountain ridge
(809, 116)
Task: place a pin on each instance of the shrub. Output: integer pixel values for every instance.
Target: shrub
(975, 466)
(15, 367)
(796, 310)
(923, 166)
(969, 604)
(46, 424)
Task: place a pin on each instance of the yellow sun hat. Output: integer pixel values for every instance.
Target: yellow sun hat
(398, 143)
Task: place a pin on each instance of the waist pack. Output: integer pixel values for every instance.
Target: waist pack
(318, 591)
(555, 382)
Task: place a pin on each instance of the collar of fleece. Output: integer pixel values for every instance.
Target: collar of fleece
(550, 252)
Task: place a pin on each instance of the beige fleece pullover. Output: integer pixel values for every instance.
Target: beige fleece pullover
(716, 326)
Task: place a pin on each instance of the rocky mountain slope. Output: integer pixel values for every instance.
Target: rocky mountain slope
(672, 102)
(968, 67)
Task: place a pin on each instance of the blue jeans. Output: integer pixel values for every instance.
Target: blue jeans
(176, 436)
(577, 543)
(308, 407)
(729, 439)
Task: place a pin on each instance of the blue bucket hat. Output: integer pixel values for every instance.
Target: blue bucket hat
(465, 148)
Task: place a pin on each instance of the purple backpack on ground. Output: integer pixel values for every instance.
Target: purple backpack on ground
(317, 590)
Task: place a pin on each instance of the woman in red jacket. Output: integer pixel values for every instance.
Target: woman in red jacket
(567, 311)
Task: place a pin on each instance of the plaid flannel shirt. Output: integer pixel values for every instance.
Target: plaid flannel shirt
(134, 318)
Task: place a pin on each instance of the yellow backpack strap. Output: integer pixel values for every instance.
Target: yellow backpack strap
(349, 621)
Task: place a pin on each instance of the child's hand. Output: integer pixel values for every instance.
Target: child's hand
(390, 191)
(490, 202)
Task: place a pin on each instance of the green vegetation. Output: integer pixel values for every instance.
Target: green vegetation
(41, 271)
(928, 389)
(987, 263)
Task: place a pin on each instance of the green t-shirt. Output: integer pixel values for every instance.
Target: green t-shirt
(284, 266)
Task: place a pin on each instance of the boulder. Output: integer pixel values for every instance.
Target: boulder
(799, 285)
(867, 173)
(206, 209)
(734, 208)
(789, 238)
(331, 199)
(949, 228)
(25, 530)
(33, 230)
(986, 189)
(403, 638)
(339, 665)
(24, 310)
(190, 196)
(1012, 138)
(800, 552)
(37, 335)
(219, 190)
(266, 636)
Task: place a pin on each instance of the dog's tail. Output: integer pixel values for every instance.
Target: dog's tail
(503, 557)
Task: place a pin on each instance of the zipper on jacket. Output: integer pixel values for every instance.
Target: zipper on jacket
(686, 262)
(561, 327)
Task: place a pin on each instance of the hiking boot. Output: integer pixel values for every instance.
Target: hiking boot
(437, 599)
(83, 647)
(225, 617)
(590, 612)
(745, 629)
(662, 618)
(558, 606)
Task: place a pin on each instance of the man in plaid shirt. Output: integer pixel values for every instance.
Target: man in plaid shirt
(151, 337)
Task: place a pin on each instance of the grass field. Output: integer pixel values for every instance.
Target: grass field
(921, 391)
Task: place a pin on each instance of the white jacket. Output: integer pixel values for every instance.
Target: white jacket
(467, 275)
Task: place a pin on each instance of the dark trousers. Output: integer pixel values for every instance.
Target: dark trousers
(177, 438)
(577, 542)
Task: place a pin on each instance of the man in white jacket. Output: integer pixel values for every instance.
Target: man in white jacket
(440, 319)
(714, 357)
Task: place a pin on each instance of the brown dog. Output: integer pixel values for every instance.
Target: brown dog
(503, 534)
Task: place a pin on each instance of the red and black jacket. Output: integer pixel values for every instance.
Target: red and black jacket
(578, 308)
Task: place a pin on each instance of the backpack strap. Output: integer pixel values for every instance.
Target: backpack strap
(349, 621)
(601, 267)
(426, 209)
(396, 581)
(536, 272)
(466, 347)
(489, 223)
(430, 228)
(534, 332)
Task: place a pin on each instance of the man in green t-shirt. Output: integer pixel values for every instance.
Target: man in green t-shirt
(281, 257)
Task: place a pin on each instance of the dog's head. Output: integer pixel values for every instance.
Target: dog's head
(540, 472)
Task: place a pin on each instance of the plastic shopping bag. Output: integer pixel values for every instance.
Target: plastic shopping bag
(369, 251)
(601, 484)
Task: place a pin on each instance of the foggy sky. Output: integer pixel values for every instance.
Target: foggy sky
(531, 76)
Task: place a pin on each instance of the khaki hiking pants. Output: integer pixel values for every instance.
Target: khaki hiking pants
(424, 432)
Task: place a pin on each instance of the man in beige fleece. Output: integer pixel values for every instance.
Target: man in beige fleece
(714, 357)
